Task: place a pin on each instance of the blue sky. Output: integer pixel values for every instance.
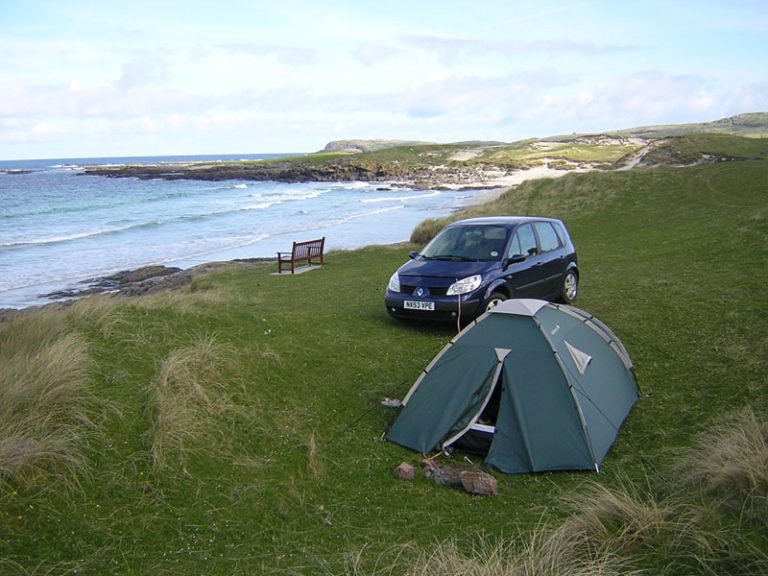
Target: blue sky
(81, 78)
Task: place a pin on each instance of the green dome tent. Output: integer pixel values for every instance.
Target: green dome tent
(534, 386)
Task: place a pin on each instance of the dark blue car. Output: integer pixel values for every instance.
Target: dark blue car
(472, 265)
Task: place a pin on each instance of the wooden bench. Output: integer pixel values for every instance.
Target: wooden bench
(301, 252)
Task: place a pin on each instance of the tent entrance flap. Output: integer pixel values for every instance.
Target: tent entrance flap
(476, 439)
(448, 399)
(478, 436)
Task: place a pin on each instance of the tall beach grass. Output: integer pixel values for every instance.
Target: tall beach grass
(47, 402)
(729, 463)
(188, 396)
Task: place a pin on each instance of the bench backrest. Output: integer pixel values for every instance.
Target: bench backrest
(308, 249)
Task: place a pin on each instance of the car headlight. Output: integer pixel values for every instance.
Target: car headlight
(394, 283)
(464, 285)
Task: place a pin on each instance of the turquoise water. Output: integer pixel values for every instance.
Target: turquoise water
(59, 227)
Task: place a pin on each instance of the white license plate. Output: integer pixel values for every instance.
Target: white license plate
(418, 305)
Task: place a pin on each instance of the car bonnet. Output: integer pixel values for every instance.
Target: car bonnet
(445, 269)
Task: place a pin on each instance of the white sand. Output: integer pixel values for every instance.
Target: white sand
(494, 187)
(521, 176)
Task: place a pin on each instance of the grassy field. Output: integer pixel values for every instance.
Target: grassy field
(235, 427)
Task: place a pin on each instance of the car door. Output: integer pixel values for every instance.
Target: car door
(524, 275)
(551, 259)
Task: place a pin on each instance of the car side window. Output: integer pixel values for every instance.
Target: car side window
(560, 234)
(514, 248)
(523, 243)
(547, 236)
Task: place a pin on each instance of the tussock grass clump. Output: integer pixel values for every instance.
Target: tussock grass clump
(188, 395)
(542, 552)
(355, 563)
(729, 461)
(44, 377)
(559, 552)
(620, 517)
(95, 309)
(486, 559)
(428, 229)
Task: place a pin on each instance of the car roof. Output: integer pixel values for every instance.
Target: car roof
(502, 220)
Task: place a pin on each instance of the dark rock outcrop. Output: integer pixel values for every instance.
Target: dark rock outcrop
(148, 280)
(418, 176)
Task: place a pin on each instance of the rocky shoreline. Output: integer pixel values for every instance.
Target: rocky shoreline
(138, 282)
(416, 176)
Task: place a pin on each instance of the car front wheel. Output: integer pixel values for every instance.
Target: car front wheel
(495, 299)
(570, 287)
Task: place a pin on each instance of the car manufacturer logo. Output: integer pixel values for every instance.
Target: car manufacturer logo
(419, 292)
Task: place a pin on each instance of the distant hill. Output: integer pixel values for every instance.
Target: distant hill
(753, 124)
(356, 146)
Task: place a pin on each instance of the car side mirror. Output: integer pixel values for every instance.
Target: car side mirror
(514, 260)
(413, 254)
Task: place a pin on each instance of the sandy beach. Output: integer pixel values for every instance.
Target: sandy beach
(496, 186)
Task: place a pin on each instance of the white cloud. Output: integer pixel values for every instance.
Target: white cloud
(255, 76)
(144, 68)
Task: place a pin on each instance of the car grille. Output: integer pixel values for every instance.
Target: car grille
(433, 290)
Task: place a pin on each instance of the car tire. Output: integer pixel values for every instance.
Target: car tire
(570, 288)
(495, 299)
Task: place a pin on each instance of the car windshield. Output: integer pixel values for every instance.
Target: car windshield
(472, 242)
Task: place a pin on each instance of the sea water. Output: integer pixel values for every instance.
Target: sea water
(59, 227)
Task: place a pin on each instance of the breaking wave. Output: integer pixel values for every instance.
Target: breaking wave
(400, 198)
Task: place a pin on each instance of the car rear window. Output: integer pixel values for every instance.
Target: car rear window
(524, 242)
(548, 238)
